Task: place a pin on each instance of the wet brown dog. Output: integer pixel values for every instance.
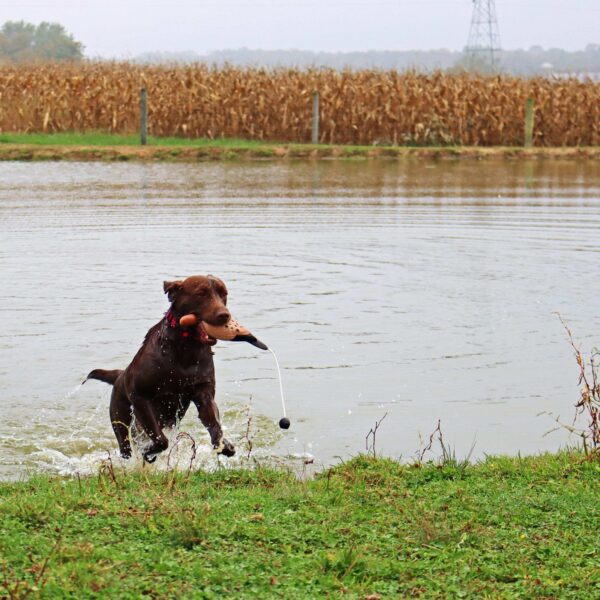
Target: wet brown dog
(173, 368)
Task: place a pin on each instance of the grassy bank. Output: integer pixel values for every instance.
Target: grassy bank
(370, 528)
(114, 139)
(113, 147)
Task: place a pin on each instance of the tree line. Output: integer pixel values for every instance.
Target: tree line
(22, 42)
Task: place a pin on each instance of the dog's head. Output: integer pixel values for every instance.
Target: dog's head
(199, 295)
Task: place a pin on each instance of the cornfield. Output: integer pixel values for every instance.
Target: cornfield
(356, 107)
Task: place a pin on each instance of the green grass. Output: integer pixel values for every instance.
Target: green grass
(506, 528)
(109, 139)
(97, 146)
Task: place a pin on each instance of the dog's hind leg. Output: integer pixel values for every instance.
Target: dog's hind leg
(144, 415)
(120, 418)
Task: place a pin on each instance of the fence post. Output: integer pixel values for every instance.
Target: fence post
(315, 118)
(529, 118)
(143, 117)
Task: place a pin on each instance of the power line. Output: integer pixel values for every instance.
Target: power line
(483, 47)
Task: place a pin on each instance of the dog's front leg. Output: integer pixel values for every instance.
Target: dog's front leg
(208, 411)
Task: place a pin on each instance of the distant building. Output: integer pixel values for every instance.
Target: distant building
(582, 76)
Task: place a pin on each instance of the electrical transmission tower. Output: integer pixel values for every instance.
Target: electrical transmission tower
(483, 47)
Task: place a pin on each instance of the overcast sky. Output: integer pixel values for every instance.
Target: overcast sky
(125, 28)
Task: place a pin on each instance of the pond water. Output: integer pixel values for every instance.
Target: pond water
(412, 289)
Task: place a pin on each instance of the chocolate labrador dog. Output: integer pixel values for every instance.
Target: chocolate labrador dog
(173, 368)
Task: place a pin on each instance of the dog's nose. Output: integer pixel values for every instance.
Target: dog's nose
(222, 317)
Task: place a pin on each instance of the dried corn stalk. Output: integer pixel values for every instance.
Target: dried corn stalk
(357, 107)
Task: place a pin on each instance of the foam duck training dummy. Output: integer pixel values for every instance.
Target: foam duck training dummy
(232, 331)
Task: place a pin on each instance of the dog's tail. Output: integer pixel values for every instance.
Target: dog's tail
(103, 375)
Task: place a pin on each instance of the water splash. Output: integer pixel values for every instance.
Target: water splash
(80, 430)
(74, 391)
(81, 445)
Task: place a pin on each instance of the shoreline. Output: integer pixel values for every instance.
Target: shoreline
(264, 151)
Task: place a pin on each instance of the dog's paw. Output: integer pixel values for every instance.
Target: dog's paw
(150, 458)
(225, 448)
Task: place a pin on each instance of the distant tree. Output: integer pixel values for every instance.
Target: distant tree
(535, 61)
(26, 42)
(475, 64)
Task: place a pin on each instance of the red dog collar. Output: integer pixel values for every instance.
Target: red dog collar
(173, 323)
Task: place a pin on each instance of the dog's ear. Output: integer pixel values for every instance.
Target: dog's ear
(218, 280)
(172, 288)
